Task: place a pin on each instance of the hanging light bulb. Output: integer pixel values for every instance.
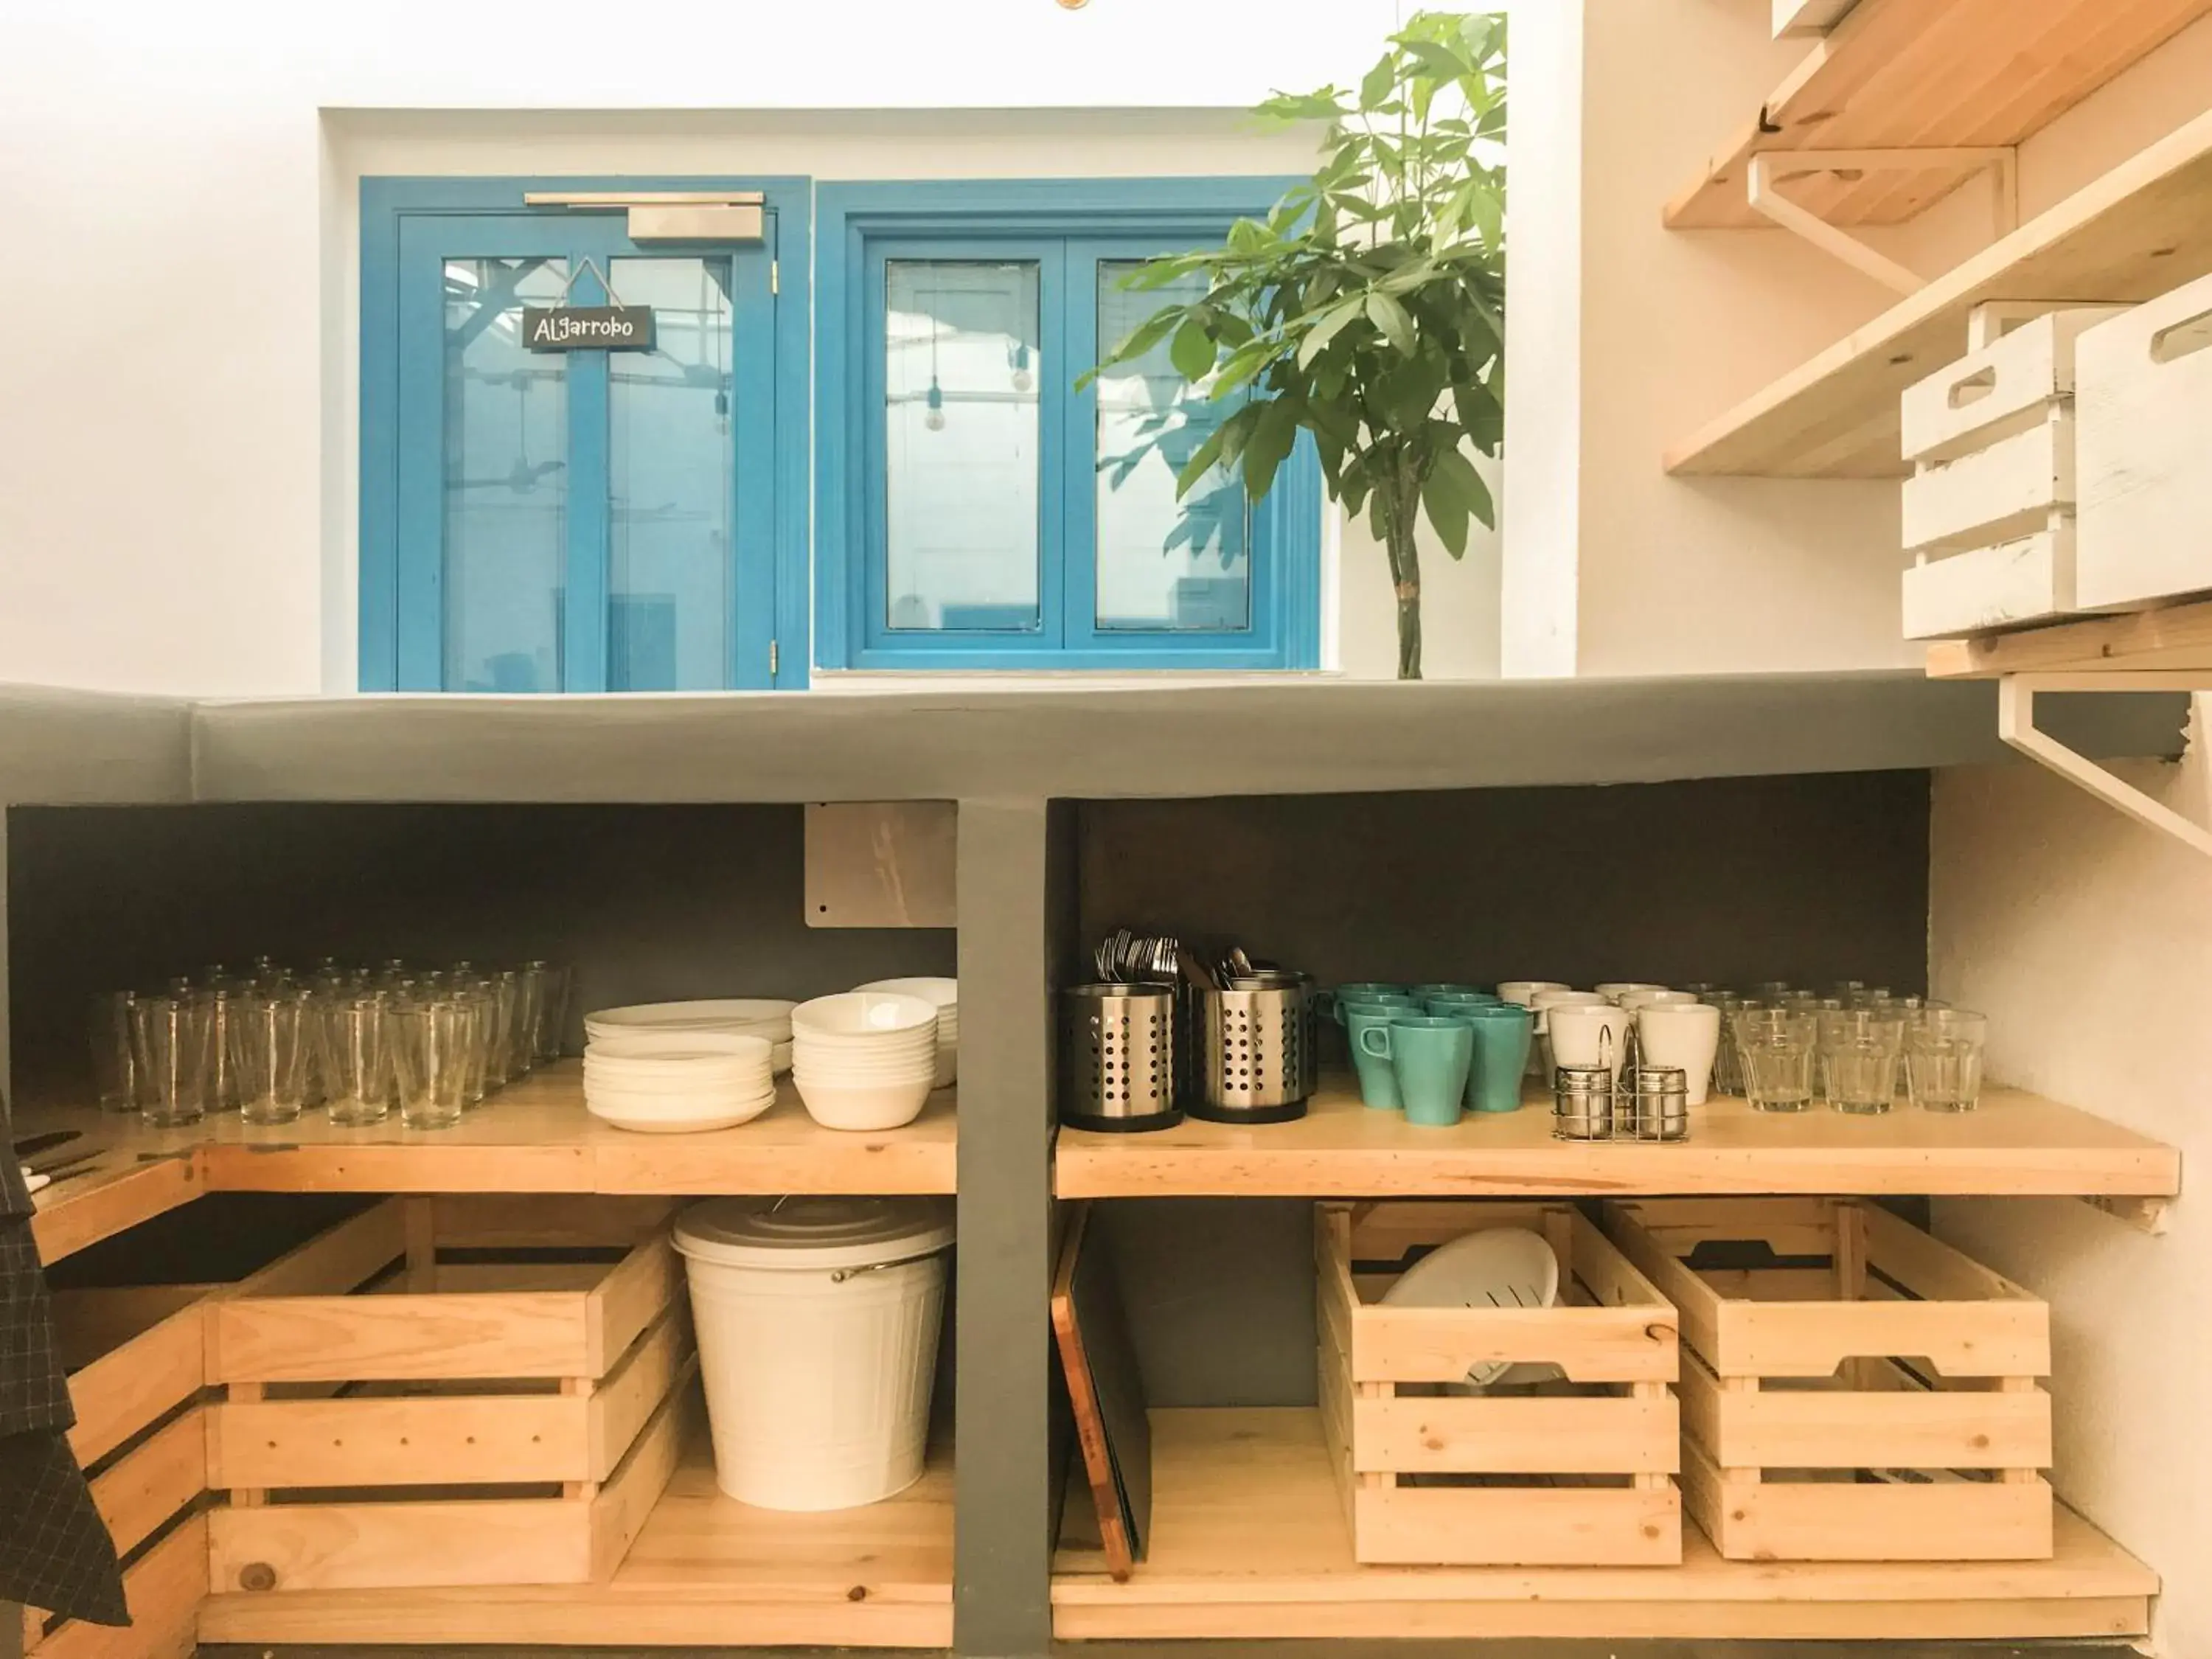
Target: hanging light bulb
(934, 420)
(1021, 366)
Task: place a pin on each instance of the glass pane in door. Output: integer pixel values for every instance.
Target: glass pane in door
(961, 373)
(671, 476)
(1164, 563)
(506, 491)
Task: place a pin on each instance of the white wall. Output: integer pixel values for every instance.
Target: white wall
(2087, 940)
(177, 504)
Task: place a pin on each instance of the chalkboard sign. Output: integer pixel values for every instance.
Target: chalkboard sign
(587, 328)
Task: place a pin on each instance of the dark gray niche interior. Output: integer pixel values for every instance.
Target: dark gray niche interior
(1812, 879)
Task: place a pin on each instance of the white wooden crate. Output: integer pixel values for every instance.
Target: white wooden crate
(1989, 512)
(2145, 453)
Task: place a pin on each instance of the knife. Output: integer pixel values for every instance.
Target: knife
(56, 1166)
(40, 1143)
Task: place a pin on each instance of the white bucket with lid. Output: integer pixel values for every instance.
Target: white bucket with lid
(817, 1322)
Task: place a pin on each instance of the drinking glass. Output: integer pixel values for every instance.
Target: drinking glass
(1775, 1048)
(479, 1008)
(1943, 1060)
(430, 1057)
(529, 1007)
(270, 1047)
(114, 1065)
(356, 1060)
(1728, 1070)
(505, 991)
(223, 1091)
(552, 1011)
(169, 1046)
(1771, 992)
(1858, 1058)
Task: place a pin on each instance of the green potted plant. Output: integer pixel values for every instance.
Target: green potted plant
(1368, 308)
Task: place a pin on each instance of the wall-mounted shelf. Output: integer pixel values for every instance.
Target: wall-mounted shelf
(1903, 75)
(1249, 1539)
(2017, 1144)
(2177, 638)
(533, 1137)
(706, 1571)
(2142, 228)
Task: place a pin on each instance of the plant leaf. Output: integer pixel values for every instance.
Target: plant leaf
(1327, 328)
(1271, 441)
(1391, 317)
(1192, 350)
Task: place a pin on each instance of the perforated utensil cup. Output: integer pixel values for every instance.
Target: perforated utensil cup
(1257, 1061)
(1117, 1057)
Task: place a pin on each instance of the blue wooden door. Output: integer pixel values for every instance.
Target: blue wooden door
(582, 521)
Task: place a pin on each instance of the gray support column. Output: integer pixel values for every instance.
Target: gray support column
(1010, 938)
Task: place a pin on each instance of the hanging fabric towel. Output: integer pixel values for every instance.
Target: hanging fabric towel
(55, 1551)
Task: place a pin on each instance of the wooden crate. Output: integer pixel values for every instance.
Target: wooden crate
(1988, 512)
(2146, 398)
(1579, 1471)
(1865, 1393)
(449, 1391)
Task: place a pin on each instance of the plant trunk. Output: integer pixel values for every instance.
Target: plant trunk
(1401, 515)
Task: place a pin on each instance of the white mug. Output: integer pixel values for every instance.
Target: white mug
(1635, 1000)
(1524, 991)
(1544, 1001)
(1684, 1033)
(1614, 990)
(1588, 1034)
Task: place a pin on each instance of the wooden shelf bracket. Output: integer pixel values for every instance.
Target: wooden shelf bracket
(2145, 1215)
(1770, 168)
(2016, 727)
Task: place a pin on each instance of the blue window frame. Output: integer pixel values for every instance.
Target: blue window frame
(1029, 535)
(588, 521)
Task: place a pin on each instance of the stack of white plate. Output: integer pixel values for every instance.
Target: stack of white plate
(675, 1082)
(760, 1016)
(866, 1060)
(946, 994)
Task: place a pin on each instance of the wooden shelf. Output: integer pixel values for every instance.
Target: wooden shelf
(2176, 639)
(2017, 1144)
(706, 1571)
(1248, 1539)
(2143, 227)
(535, 1137)
(1904, 75)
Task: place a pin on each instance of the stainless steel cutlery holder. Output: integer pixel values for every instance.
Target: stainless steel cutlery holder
(1117, 1057)
(1256, 1058)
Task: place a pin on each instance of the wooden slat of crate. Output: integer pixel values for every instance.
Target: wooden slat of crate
(530, 1221)
(445, 1440)
(1796, 1338)
(1840, 1521)
(256, 1338)
(143, 1490)
(411, 1543)
(164, 1588)
(117, 1394)
(328, 1338)
(1633, 1435)
(1856, 1428)
(1521, 1526)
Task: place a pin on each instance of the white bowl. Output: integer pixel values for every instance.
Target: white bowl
(944, 994)
(891, 1043)
(926, 1079)
(863, 1013)
(874, 1106)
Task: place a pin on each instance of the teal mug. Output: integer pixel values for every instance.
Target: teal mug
(1503, 1033)
(1452, 1002)
(1429, 1057)
(1443, 987)
(1378, 1084)
(1365, 990)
